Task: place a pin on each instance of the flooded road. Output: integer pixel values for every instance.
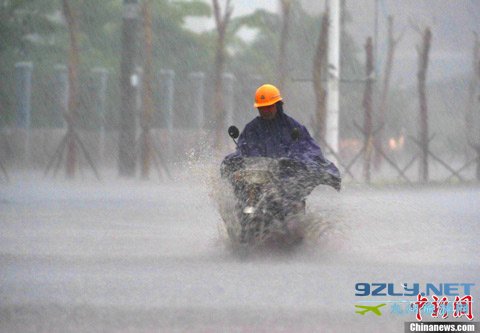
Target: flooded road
(132, 256)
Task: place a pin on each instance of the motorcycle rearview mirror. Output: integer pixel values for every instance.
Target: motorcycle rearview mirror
(295, 134)
(234, 133)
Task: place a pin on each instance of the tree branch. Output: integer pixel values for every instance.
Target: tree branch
(216, 12)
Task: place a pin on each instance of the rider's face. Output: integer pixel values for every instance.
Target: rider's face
(268, 112)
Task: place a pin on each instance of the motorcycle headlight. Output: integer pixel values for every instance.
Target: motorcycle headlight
(249, 210)
(257, 177)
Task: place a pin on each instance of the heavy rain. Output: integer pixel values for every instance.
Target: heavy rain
(118, 215)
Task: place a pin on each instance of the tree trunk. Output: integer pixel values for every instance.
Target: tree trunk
(284, 36)
(368, 106)
(147, 92)
(380, 137)
(422, 75)
(320, 92)
(473, 113)
(73, 61)
(222, 22)
(472, 91)
(218, 101)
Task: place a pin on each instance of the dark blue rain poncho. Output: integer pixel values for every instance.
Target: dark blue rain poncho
(273, 138)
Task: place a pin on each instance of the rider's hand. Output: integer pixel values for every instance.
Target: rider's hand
(230, 166)
(337, 184)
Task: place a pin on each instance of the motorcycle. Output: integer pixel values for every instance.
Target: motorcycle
(269, 200)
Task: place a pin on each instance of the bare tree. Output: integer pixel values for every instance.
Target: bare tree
(318, 73)
(71, 139)
(368, 106)
(473, 87)
(73, 62)
(392, 44)
(221, 20)
(423, 57)
(147, 92)
(285, 6)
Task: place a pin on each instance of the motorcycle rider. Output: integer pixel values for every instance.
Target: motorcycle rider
(276, 135)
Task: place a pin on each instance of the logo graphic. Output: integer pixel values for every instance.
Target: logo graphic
(461, 307)
(366, 308)
(435, 300)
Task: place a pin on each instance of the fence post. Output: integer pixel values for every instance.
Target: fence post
(100, 79)
(60, 88)
(167, 89)
(254, 82)
(229, 99)
(166, 84)
(197, 89)
(23, 75)
(137, 84)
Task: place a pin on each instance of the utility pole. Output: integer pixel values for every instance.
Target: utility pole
(333, 78)
(127, 155)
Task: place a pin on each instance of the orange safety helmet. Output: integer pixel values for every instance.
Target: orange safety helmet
(267, 95)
